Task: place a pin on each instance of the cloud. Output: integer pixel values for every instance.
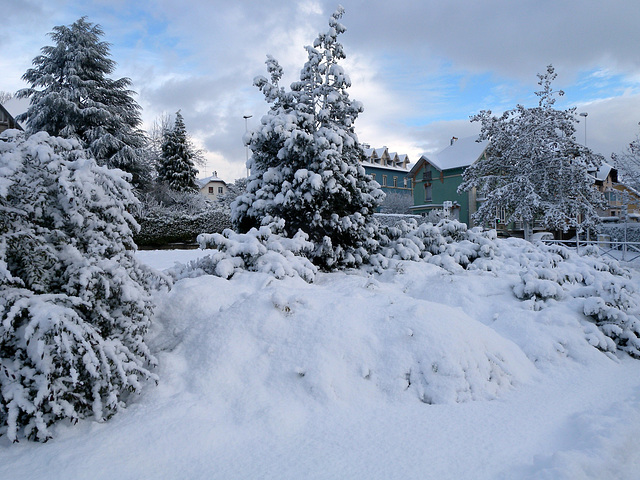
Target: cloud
(420, 68)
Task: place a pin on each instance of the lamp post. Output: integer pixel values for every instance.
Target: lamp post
(584, 114)
(246, 147)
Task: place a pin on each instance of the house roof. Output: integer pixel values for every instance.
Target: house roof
(7, 120)
(603, 172)
(397, 161)
(461, 153)
(213, 178)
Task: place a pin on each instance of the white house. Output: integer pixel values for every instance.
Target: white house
(211, 187)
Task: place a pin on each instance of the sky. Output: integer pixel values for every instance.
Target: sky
(420, 68)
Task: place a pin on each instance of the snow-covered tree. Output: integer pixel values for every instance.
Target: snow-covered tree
(234, 190)
(628, 164)
(72, 96)
(395, 202)
(534, 169)
(176, 164)
(74, 302)
(305, 166)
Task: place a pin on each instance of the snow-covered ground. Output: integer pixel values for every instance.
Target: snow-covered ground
(416, 373)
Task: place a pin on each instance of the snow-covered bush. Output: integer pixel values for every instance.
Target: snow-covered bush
(74, 302)
(448, 244)
(620, 231)
(167, 216)
(261, 250)
(600, 285)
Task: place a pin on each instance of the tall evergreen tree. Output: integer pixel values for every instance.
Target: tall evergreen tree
(176, 164)
(71, 95)
(305, 166)
(534, 169)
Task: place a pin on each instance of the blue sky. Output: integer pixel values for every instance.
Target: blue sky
(421, 69)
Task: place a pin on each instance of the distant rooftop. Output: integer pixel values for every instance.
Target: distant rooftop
(212, 178)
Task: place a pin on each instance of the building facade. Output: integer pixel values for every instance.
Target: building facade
(212, 187)
(436, 178)
(390, 170)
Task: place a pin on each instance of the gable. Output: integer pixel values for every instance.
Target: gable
(7, 121)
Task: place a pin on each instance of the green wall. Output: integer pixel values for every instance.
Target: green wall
(401, 174)
(443, 188)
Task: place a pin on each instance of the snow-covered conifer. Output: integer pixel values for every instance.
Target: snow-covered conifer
(176, 164)
(305, 166)
(533, 168)
(74, 302)
(72, 96)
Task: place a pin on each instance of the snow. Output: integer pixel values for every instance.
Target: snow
(412, 373)
(461, 153)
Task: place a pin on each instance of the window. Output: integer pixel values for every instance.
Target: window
(426, 175)
(384, 180)
(210, 189)
(395, 181)
(219, 190)
(373, 176)
(427, 192)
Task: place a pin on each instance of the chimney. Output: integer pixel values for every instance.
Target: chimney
(453, 140)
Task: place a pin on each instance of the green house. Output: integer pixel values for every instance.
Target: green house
(435, 179)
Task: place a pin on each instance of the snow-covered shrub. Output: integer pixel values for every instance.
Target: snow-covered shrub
(74, 302)
(620, 231)
(165, 227)
(392, 219)
(448, 244)
(607, 296)
(167, 216)
(260, 250)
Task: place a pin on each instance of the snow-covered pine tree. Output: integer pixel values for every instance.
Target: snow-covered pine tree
(305, 166)
(72, 96)
(533, 168)
(176, 164)
(74, 302)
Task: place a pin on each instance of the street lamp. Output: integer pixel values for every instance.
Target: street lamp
(246, 147)
(584, 114)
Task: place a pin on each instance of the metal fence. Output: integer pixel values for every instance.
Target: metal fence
(620, 250)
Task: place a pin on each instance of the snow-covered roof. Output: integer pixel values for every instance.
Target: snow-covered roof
(461, 153)
(213, 178)
(368, 152)
(603, 172)
(7, 120)
(396, 161)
